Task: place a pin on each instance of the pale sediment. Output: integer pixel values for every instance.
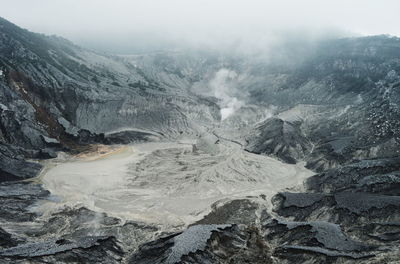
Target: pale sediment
(168, 184)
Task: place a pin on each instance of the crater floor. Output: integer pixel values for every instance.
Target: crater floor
(170, 184)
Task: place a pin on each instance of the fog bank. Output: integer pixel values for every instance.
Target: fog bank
(123, 26)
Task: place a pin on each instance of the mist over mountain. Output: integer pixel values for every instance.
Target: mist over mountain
(128, 27)
(212, 132)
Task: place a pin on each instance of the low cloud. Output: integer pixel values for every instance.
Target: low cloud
(129, 26)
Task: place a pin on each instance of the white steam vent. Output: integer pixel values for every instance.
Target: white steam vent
(223, 87)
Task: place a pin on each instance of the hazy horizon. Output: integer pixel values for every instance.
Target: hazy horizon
(126, 27)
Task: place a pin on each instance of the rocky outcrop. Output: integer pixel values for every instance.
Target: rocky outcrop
(241, 211)
(70, 235)
(6, 240)
(17, 198)
(320, 240)
(57, 96)
(14, 167)
(362, 198)
(279, 138)
(206, 244)
(353, 176)
(84, 250)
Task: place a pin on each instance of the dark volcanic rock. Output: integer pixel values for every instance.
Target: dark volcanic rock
(385, 232)
(301, 199)
(86, 137)
(6, 240)
(13, 167)
(362, 197)
(240, 211)
(75, 219)
(300, 206)
(50, 247)
(206, 244)
(47, 153)
(171, 249)
(279, 138)
(321, 238)
(127, 137)
(94, 249)
(347, 208)
(349, 176)
(387, 183)
(299, 253)
(16, 198)
(364, 202)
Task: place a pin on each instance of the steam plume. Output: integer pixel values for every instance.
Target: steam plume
(223, 87)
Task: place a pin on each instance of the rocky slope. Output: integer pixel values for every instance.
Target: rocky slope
(335, 108)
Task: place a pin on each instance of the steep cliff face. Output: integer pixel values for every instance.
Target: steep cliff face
(53, 91)
(343, 98)
(280, 138)
(52, 87)
(77, 89)
(335, 108)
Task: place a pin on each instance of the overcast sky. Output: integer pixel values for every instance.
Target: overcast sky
(124, 26)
